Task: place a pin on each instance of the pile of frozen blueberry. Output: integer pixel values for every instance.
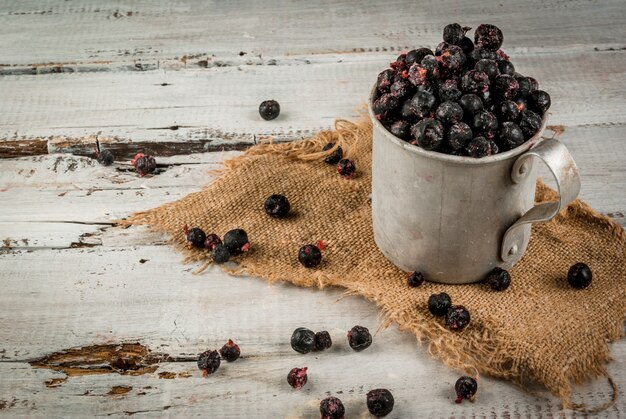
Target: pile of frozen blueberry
(464, 99)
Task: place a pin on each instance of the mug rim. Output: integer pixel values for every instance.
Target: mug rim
(525, 146)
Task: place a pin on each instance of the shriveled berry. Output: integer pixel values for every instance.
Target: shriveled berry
(335, 156)
(195, 237)
(506, 67)
(297, 377)
(579, 276)
(507, 110)
(488, 36)
(277, 206)
(459, 135)
(510, 136)
(475, 81)
(105, 157)
(423, 103)
(499, 279)
(457, 318)
(428, 133)
(454, 33)
(465, 388)
(417, 55)
(385, 78)
(451, 59)
(538, 102)
(530, 123)
(467, 46)
(359, 338)
(322, 341)
(525, 87)
(505, 87)
(379, 402)
(346, 168)
(478, 147)
(236, 241)
(449, 113)
(303, 340)
(401, 88)
(449, 91)
(415, 279)
(489, 67)
(209, 362)
(144, 164)
(485, 121)
(211, 241)
(332, 408)
(385, 103)
(230, 351)
(309, 256)
(269, 109)
(401, 129)
(471, 104)
(438, 304)
(220, 254)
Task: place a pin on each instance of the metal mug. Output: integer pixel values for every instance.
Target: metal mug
(456, 218)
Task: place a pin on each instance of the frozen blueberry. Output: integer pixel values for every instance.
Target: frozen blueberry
(195, 237)
(209, 362)
(400, 63)
(510, 136)
(359, 338)
(499, 279)
(211, 241)
(484, 121)
(230, 351)
(530, 123)
(449, 113)
(459, 135)
(475, 81)
(269, 109)
(415, 279)
(144, 164)
(417, 55)
(525, 87)
(505, 87)
(465, 388)
(105, 157)
(297, 377)
(277, 206)
(507, 110)
(401, 88)
(387, 102)
(454, 33)
(471, 104)
(449, 91)
(478, 54)
(538, 102)
(428, 133)
(303, 340)
(334, 157)
(438, 304)
(332, 408)
(534, 84)
(466, 45)
(346, 168)
(322, 341)
(220, 254)
(451, 59)
(401, 129)
(506, 67)
(236, 241)
(579, 276)
(457, 318)
(379, 402)
(478, 147)
(309, 255)
(489, 67)
(385, 79)
(431, 65)
(489, 37)
(423, 103)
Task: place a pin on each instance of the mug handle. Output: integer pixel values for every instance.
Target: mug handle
(560, 162)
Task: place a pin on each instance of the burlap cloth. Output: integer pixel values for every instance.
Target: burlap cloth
(540, 329)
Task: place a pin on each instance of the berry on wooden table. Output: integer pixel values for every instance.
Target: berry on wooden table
(303, 340)
(269, 109)
(465, 388)
(379, 402)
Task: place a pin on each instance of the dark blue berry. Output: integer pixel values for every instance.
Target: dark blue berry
(489, 37)
(230, 351)
(459, 135)
(144, 164)
(579, 276)
(428, 133)
(534, 85)
(309, 255)
(323, 341)
(478, 147)
(465, 388)
(423, 103)
(335, 156)
(415, 279)
(236, 241)
(467, 46)
(195, 237)
(478, 54)
(332, 408)
(431, 65)
(525, 87)
(484, 121)
(538, 102)
(303, 340)
(506, 67)
(438, 304)
(499, 279)
(449, 113)
(441, 47)
(379, 402)
(417, 55)
(209, 362)
(454, 33)
(418, 75)
(530, 123)
(359, 338)
(510, 136)
(457, 318)
(387, 102)
(269, 109)
(451, 59)
(297, 377)
(489, 67)
(220, 254)
(346, 168)
(401, 88)
(401, 129)
(507, 110)
(211, 241)
(505, 87)
(471, 104)
(449, 91)
(385, 78)
(400, 63)
(475, 81)
(105, 157)
(277, 206)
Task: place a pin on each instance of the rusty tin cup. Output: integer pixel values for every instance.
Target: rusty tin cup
(456, 218)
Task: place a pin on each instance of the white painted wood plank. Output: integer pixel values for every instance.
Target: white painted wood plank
(120, 33)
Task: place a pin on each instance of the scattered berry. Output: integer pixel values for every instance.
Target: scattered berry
(332, 408)
(322, 341)
(195, 237)
(579, 276)
(297, 377)
(211, 241)
(230, 351)
(465, 388)
(303, 340)
(309, 255)
(236, 241)
(428, 133)
(335, 156)
(489, 37)
(511, 136)
(359, 338)
(438, 304)
(105, 157)
(457, 318)
(209, 362)
(277, 206)
(499, 279)
(539, 102)
(220, 254)
(379, 402)
(269, 109)
(415, 279)
(346, 168)
(144, 164)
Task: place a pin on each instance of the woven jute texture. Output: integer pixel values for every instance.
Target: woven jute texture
(539, 329)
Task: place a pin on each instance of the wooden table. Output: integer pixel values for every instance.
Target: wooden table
(184, 80)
